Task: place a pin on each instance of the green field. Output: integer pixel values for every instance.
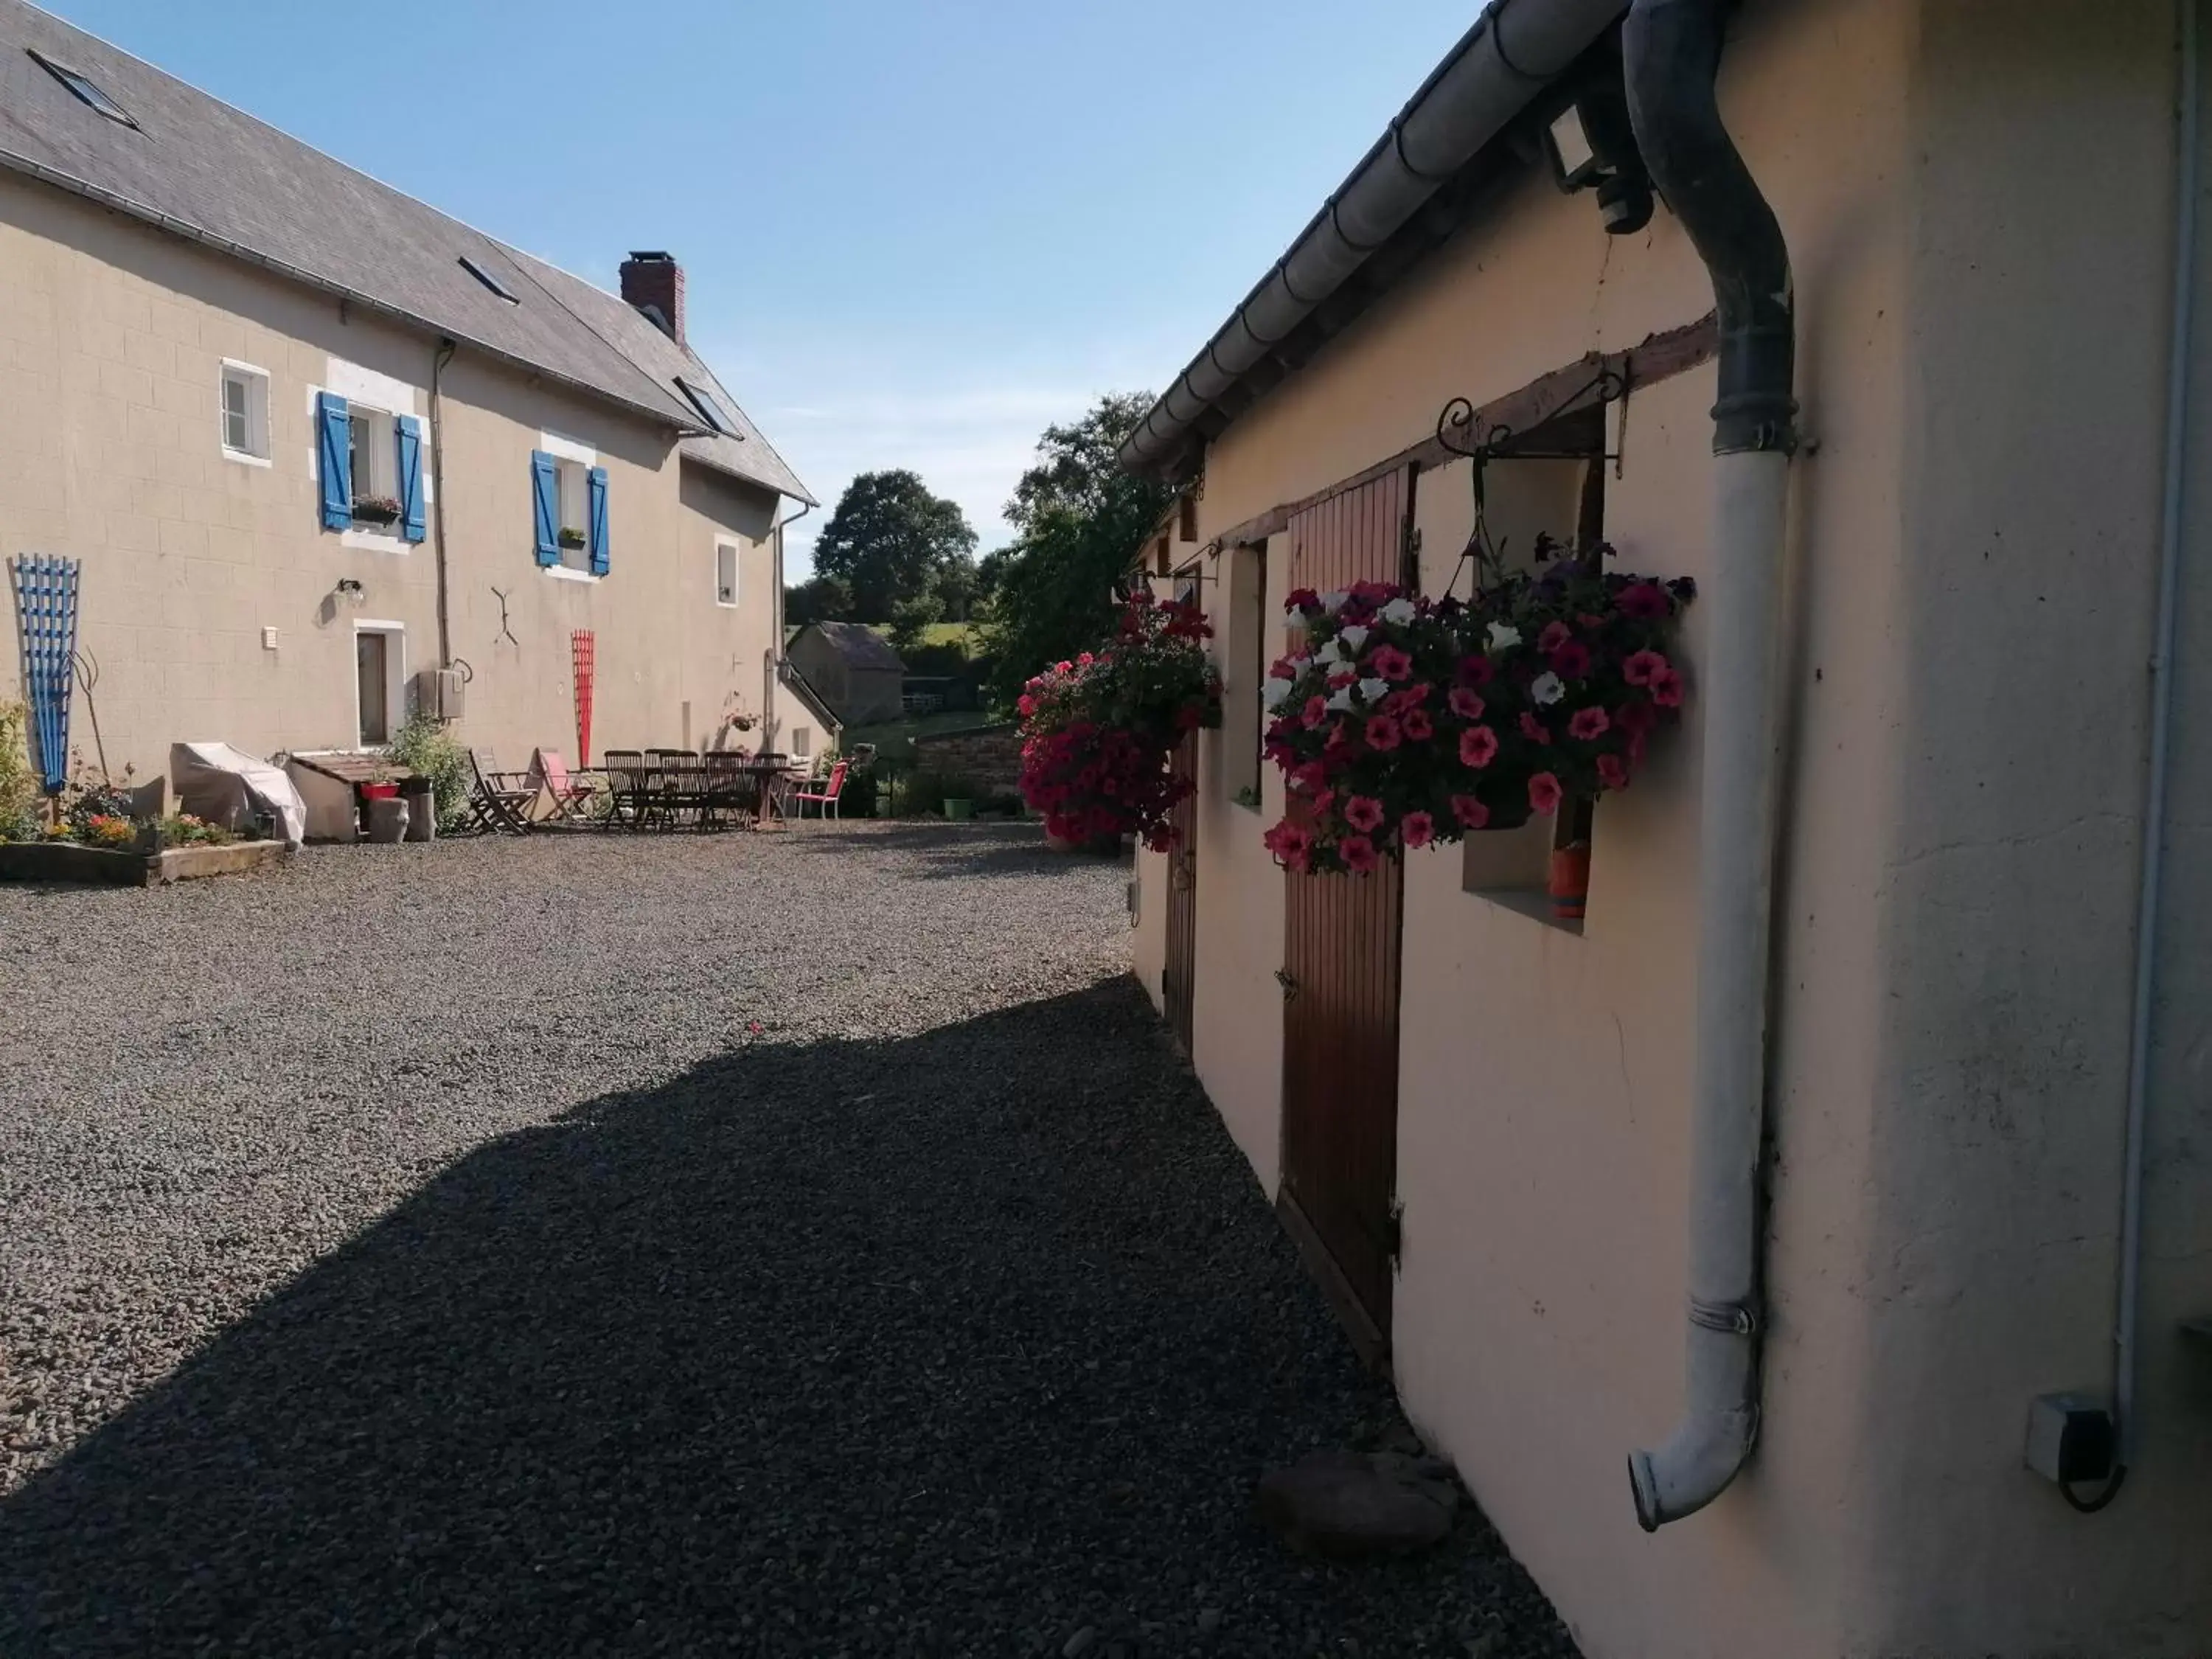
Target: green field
(944, 633)
(894, 739)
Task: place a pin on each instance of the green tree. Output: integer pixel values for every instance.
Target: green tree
(910, 618)
(1079, 520)
(825, 598)
(891, 539)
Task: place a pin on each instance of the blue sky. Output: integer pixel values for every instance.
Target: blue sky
(912, 235)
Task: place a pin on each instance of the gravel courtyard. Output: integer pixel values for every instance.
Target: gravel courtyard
(800, 1244)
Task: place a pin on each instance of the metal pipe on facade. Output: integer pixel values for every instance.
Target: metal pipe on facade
(1673, 50)
(444, 354)
(1513, 52)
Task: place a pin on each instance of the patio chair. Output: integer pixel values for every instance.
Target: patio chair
(571, 795)
(826, 799)
(629, 778)
(498, 800)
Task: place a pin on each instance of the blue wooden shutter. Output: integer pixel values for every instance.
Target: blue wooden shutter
(598, 531)
(334, 438)
(545, 508)
(409, 439)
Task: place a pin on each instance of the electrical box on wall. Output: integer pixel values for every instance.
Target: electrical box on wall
(2072, 1439)
(438, 693)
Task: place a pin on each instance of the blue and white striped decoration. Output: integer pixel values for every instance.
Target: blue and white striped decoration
(46, 613)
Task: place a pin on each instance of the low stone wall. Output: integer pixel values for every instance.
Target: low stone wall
(989, 757)
(66, 861)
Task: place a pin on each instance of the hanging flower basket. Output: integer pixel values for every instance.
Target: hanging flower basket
(571, 538)
(1404, 722)
(1098, 733)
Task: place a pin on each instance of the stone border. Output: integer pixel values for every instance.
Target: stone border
(66, 861)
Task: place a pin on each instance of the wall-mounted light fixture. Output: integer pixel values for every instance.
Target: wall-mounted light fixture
(350, 592)
(1592, 146)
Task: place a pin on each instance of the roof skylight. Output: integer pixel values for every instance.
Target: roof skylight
(82, 85)
(489, 280)
(709, 411)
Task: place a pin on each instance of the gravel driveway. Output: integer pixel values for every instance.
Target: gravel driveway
(799, 1245)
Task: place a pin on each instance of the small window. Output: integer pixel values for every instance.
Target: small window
(571, 495)
(375, 458)
(78, 83)
(710, 411)
(725, 572)
(489, 280)
(245, 412)
(802, 742)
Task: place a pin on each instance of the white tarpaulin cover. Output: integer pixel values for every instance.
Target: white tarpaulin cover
(214, 781)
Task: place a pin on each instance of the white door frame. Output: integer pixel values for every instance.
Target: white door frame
(395, 673)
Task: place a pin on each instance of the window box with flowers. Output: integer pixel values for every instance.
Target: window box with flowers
(1404, 722)
(1099, 734)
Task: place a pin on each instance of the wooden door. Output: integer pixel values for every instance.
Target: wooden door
(1340, 966)
(372, 664)
(1179, 978)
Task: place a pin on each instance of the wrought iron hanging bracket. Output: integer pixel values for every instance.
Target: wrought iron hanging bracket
(1462, 430)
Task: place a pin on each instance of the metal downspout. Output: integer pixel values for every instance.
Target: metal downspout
(444, 355)
(1673, 52)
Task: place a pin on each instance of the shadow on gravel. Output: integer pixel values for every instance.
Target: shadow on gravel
(1016, 847)
(953, 1345)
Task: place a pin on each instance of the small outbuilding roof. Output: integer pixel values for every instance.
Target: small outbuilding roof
(859, 646)
(144, 143)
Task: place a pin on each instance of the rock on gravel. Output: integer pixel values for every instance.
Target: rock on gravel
(799, 1245)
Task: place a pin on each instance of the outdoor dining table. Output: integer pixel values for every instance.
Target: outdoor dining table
(661, 787)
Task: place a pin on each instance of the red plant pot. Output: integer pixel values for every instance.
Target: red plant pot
(1570, 882)
(380, 792)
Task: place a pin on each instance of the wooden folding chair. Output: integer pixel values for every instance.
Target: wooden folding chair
(629, 780)
(498, 800)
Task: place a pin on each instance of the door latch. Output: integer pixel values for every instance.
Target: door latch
(1290, 985)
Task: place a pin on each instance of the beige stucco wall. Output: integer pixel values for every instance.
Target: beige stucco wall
(113, 335)
(1977, 198)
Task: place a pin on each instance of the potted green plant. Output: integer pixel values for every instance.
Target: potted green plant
(572, 539)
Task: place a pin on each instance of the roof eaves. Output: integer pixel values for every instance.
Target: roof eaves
(666, 413)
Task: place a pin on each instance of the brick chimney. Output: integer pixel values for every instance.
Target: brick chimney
(654, 282)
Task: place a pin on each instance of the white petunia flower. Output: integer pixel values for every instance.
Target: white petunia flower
(1353, 636)
(1398, 612)
(1334, 602)
(1374, 690)
(1548, 688)
(1342, 702)
(1330, 653)
(1276, 693)
(1503, 635)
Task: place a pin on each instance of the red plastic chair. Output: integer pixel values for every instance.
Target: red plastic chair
(826, 798)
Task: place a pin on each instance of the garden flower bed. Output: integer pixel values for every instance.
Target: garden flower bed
(59, 860)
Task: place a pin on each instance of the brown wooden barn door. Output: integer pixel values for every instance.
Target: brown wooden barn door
(1340, 965)
(1179, 979)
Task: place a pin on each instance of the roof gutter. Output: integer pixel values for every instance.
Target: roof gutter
(1516, 50)
(192, 233)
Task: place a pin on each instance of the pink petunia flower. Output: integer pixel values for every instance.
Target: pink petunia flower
(1471, 813)
(1390, 662)
(1359, 853)
(1544, 793)
(1309, 777)
(1611, 772)
(1364, 812)
(1317, 712)
(1556, 635)
(1465, 704)
(1640, 667)
(1478, 746)
(1534, 729)
(1589, 725)
(1572, 661)
(1417, 726)
(1475, 671)
(1666, 689)
(1416, 829)
(1384, 733)
(1645, 601)
(1323, 803)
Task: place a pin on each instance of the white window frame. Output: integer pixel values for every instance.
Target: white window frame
(382, 450)
(395, 673)
(802, 743)
(735, 588)
(572, 492)
(256, 451)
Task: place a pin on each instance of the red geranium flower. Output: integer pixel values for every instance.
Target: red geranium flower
(1544, 793)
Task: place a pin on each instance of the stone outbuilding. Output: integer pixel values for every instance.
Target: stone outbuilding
(853, 668)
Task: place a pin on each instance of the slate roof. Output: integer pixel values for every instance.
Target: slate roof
(861, 646)
(197, 167)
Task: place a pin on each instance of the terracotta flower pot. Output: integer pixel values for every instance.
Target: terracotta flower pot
(1570, 881)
